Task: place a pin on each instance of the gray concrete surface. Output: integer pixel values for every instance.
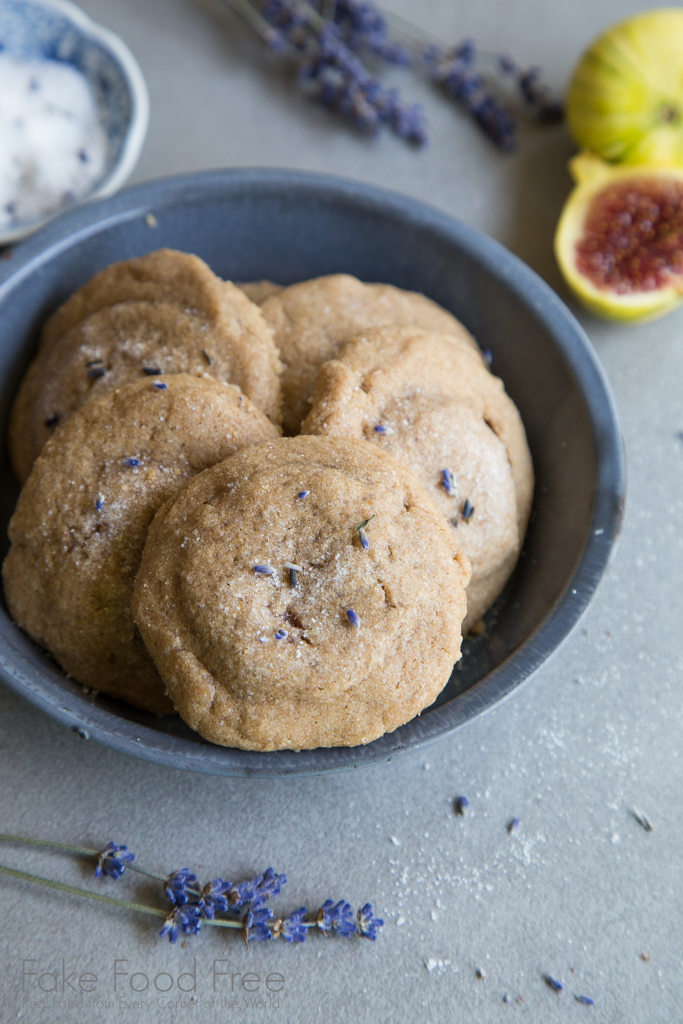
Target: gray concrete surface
(581, 892)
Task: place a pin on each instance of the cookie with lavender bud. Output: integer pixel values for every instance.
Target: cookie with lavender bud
(81, 521)
(428, 400)
(312, 320)
(358, 642)
(137, 339)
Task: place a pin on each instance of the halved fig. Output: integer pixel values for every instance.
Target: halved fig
(619, 241)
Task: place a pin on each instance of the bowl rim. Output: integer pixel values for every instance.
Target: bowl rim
(125, 735)
(139, 116)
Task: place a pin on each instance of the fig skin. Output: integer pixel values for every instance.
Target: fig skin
(625, 101)
(592, 176)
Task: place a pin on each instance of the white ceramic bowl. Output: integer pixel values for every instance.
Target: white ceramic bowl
(59, 30)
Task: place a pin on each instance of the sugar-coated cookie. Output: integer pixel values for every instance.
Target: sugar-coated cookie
(277, 620)
(131, 340)
(429, 400)
(81, 521)
(311, 320)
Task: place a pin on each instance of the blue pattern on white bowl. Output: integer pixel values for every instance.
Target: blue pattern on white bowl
(33, 30)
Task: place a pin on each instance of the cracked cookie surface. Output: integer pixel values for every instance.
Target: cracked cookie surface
(360, 639)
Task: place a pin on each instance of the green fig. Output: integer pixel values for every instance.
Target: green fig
(619, 240)
(625, 100)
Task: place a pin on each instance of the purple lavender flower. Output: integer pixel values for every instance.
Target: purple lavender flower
(363, 27)
(535, 93)
(585, 1000)
(368, 925)
(213, 898)
(336, 917)
(353, 617)
(255, 925)
(131, 462)
(256, 890)
(186, 919)
(333, 75)
(180, 887)
(112, 860)
(303, 494)
(553, 983)
(467, 510)
(461, 806)
(151, 371)
(266, 885)
(448, 483)
(293, 928)
(264, 569)
(160, 385)
(280, 634)
(455, 71)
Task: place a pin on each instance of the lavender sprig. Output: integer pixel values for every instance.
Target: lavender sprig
(326, 39)
(330, 72)
(193, 905)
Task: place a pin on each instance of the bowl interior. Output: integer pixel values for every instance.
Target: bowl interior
(35, 31)
(289, 227)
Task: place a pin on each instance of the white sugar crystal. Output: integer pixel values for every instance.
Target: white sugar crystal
(53, 147)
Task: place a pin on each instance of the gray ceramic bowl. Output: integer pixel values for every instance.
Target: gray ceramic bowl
(288, 226)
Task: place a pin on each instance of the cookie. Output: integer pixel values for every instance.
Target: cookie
(166, 275)
(128, 341)
(81, 521)
(259, 291)
(271, 624)
(429, 401)
(311, 320)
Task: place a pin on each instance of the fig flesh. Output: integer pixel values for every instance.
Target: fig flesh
(619, 241)
(625, 100)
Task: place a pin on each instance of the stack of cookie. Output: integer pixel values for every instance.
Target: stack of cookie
(172, 549)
